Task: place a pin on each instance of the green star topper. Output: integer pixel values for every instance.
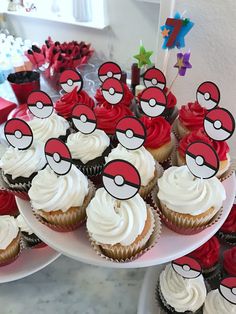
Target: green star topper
(143, 57)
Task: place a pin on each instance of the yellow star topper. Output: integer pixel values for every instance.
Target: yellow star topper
(143, 57)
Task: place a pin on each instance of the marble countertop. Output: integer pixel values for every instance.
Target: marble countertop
(67, 286)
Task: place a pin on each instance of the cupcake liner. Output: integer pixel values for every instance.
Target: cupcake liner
(30, 241)
(229, 172)
(21, 193)
(229, 238)
(214, 277)
(149, 245)
(67, 221)
(162, 154)
(12, 252)
(173, 156)
(175, 129)
(91, 171)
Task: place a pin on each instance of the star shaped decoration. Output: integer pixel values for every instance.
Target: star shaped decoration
(183, 63)
(165, 32)
(143, 57)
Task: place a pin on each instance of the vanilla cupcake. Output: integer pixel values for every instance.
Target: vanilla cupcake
(53, 126)
(9, 239)
(143, 161)
(60, 201)
(215, 303)
(30, 239)
(121, 228)
(186, 201)
(181, 295)
(88, 151)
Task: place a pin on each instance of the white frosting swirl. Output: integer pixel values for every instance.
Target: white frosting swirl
(217, 304)
(111, 221)
(22, 224)
(86, 147)
(23, 163)
(180, 293)
(44, 129)
(140, 158)
(8, 230)
(50, 192)
(180, 191)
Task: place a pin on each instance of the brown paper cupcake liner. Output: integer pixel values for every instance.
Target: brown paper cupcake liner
(12, 252)
(149, 245)
(175, 129)
(229, 172)
(173, 155)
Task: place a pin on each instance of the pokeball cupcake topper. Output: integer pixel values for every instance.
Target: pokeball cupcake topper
(109, 70)
(18, 133)
(154, 77)
(187, 267)
(228, 289)
(208, 95)
(130, 133)
(202, 160)
(84, 119)
(121, 179)
(153, 101)
(40, 104)
(112, 91)
(58, 156)
(70, 79)
(219, 124)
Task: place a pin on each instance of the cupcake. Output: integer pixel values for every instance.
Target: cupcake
(180, 295)
(88, 151)
(60, 201)
(9, 239)
(188, 203)
(228, 231)
(158, 137)
(53, 126)
(19, 167)
(190, 119)
(229, 262)
(208, 256)
(30, 239)
(143, 161)
(215, 303)
(67, 102)
(121, 228)
(222, 150)
(8, 204)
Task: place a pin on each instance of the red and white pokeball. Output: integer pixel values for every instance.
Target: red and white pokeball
(70, 79)
(153, 101)
(228, 289)
(18, 133)
(109, 70)
(208, 95)
(40, 104)
(154, 77)
(112, 91)
(58, 156)
(84, 119)
(130, 133)
(202, 160)
(121, 179)
(219, 124)
(187, 267)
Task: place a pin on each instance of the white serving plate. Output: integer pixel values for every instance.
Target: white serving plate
(29, 262)
(170, 246)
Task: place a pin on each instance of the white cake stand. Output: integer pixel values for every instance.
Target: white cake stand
(169, 247)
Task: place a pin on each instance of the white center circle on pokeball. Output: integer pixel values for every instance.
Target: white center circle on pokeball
(234, 291)
(111, 91)
(18, 134)
(152, 102)
(129, 133)
(154, 81)
(83, 118)
(39, 104)
(217, 124)
(56, 157)
(199, 160)
(119, 180)
(70, 82)
(186, 268)
(207, 96)
(109, 74)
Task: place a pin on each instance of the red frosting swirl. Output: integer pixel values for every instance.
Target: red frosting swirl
(207, 254)
(230, 261)
(66, 103)
(222, 149)
(8, 204)
(192, 115)
(128, 96)
(229, 225)
(108, 116)
(158, 131)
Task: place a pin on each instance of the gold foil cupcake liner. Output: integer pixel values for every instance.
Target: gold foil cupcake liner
(135, 252)
(12, 252)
